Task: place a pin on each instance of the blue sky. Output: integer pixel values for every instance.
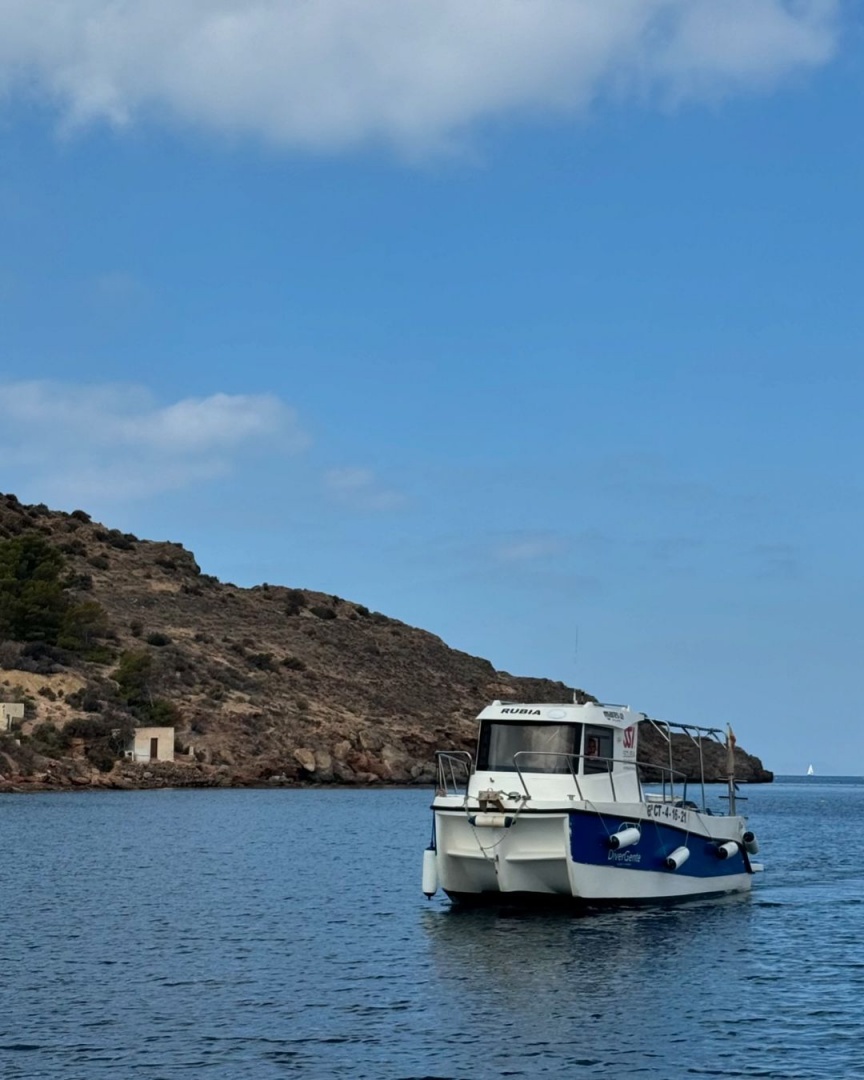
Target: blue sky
(534, 323)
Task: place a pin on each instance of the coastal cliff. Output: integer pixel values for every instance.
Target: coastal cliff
(266, 685)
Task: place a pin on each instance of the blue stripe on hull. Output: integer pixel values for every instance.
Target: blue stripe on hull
(589, 844)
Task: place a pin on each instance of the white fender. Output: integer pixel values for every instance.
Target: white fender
(430, 871)
(492, 821)
(676, 859)
(625, 837)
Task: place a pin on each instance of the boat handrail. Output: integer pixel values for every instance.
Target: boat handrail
(657, 724)
(454, 771)
(456, 766)
(669, 776)
(696, 734)
(572, 763)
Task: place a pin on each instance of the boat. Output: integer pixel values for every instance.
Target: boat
(809, 770)
(555, 805)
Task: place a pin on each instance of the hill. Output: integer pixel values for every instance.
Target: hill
(101, 631)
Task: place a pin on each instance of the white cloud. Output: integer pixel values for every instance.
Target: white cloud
(359, 488)
(114, 441)
(415, 73)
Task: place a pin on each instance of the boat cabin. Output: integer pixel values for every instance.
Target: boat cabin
(556, 743)
(556, 738)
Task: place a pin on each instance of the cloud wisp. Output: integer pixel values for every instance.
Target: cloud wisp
(530, 548)
(116, 443)
(416, 74)
(358, 488)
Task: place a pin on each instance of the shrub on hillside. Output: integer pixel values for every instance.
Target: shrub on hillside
(82, 582)
(262, 660)
(295, 601)
(53, 656)
(49, 740)
(105, 737)
(116, 539)
(160, 713)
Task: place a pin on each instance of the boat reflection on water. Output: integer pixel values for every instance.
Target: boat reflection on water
(515, 952)
(649, 991)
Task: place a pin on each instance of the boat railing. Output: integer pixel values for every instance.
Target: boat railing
(698, 736)
(672, 783)
(669, 779)
(571, 760)
(454, 768)
(454, 771)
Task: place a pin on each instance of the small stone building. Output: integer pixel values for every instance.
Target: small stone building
(9, 712)
(151, 744)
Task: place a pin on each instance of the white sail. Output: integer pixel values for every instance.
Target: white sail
(809, 770)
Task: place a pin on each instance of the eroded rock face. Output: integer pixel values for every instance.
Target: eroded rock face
(272, 684)
(306, 759)
(323, 765)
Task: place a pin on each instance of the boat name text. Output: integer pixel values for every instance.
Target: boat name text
(521, 712)
(613, 714)
(625, 856)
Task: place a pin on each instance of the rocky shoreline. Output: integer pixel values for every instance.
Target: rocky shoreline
(309, 768)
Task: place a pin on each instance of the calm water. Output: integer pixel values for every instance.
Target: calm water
(268, 934)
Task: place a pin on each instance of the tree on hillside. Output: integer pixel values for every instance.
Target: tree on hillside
(32, 600)
(135, 676)
(35, 603)
(83, 624)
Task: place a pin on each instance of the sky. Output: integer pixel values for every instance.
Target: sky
(532, 323)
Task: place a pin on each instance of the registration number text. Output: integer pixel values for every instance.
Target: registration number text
(668, 813)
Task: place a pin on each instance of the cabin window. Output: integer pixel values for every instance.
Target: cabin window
(542, 747)
(598, 750)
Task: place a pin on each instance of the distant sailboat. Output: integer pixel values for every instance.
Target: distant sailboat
(809, 770)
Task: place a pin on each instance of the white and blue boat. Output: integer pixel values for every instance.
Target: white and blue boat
(556, 804)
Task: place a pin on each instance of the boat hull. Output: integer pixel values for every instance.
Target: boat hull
(567, 855)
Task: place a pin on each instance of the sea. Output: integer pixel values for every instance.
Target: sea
(262, 934)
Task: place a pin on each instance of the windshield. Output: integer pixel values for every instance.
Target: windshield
(546, 746)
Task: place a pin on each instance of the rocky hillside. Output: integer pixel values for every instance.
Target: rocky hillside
(264, 685)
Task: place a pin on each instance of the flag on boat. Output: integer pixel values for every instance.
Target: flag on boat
(730, 751)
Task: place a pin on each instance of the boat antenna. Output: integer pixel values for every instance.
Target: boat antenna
(575, 663)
